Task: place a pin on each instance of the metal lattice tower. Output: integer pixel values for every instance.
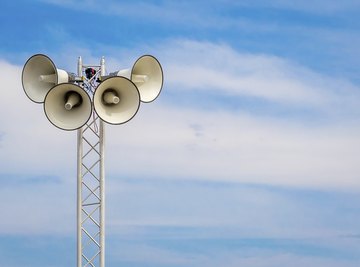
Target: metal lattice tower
(90, 183)
(70, 101)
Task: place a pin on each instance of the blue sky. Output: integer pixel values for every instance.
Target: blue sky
(249, 157)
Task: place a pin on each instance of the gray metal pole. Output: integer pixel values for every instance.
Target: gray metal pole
(102, 194)
(79, 183)
(79, 197)
(102, 179)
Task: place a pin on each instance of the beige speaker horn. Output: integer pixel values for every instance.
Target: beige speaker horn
(68, 106)
(147, 75)
(39, 75)
(116, 100)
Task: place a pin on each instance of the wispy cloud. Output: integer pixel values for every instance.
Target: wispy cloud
(240, 145)
(189, 142)
(236, 147)
(208, 66)
(328, 42)
(147, 9)
(215, 143)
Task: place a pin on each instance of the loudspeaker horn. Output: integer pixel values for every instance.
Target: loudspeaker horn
(116, 100)
(147, 75)
(39, 75)
(67, 106)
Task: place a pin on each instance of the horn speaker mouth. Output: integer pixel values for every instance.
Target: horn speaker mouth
(116, 100)
(34, 77)
(68, 106)
(148, 76)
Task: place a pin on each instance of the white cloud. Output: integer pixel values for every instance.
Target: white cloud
(271, 260)
(241, 146)
(43, 209)
(219, 144)
(162, 141)
(30, 144)
(207, 66)
(140, 9)
(170, 141)
(186, 143)
(214, 210)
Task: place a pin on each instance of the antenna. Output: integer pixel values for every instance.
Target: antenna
(84, 102)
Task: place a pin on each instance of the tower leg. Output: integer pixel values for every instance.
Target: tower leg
(91, 195)
(102, 194)
(79, 197)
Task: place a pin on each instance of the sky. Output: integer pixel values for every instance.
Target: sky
(249, 156)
